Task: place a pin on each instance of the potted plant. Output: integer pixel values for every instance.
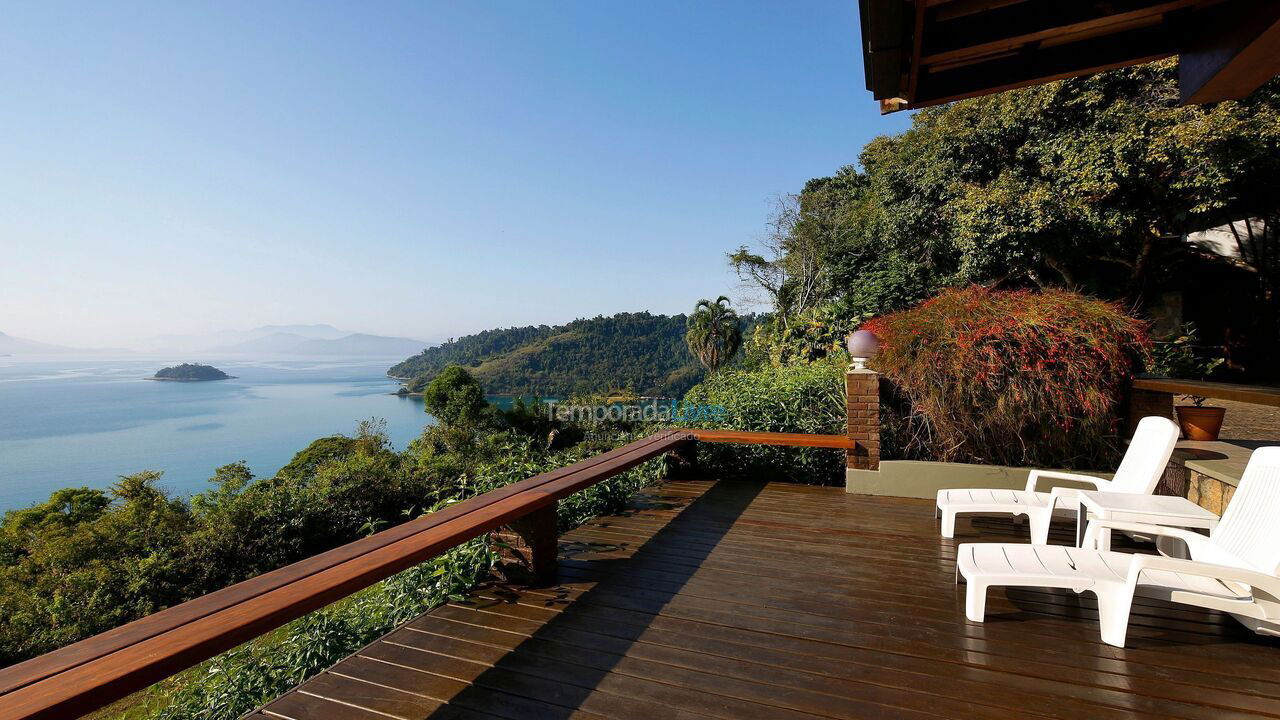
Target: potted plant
(1178, 356)
(1199, 422)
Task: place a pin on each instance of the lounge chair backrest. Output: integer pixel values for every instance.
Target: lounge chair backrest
(1148, 455)
(1250, 527)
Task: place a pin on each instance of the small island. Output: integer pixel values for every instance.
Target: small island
(191, 372)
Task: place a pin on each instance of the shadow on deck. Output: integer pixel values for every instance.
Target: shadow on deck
(749, 600)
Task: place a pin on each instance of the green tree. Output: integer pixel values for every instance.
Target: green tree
(714, 333)
(455, 398)
(1088, 183)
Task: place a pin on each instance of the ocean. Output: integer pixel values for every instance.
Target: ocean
(84, 422)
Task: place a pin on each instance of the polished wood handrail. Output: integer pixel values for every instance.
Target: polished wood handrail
(1253, 394)
(97, 671)
(743, 437)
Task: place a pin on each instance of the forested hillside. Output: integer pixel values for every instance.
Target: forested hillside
(470, 350)
(641, 352)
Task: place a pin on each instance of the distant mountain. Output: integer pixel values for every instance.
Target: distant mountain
(289, 340)
(10, 345)
(275, 343)
(312, 332)
(361, 344)
(641, 352)
(224, 338)
(286, 343)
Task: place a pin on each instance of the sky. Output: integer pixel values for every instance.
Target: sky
(423, 169)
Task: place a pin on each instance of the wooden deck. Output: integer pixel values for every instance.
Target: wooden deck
(746, 600)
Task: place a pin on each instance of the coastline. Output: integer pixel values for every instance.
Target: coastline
(160, 379)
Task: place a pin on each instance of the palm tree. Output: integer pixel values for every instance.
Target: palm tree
(714, 334)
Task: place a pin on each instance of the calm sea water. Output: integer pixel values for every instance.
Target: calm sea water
(85, 422)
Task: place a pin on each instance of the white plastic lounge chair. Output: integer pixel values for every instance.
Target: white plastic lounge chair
(1143, 464)
(1234, 570)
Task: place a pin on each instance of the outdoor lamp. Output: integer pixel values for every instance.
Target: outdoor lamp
(863, 346)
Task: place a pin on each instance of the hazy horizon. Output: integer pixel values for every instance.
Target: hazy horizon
(405, 169)
(142, 343)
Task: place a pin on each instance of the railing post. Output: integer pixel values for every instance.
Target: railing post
(862, 388)
(526, 549)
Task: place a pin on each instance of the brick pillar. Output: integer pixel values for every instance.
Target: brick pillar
(1143, 403)
(526, 549)
(863, 405)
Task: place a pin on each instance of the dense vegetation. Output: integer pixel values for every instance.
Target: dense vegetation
(1087, 184)
(802, 397)
(975, 368)
(87, 560)
(1013, 212)
(640, 352)
(190, 372)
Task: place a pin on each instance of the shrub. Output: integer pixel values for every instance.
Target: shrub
(1009, 377)
(86, 561)
(805, 337)
(803, 398)
(455, 398)
(1179, 355)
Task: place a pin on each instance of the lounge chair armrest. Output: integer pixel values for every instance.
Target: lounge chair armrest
(1194, 540)
(1033, 478)
(1063, 497)
(1268, 584)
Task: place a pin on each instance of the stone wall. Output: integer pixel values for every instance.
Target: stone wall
(1208, 492)
(1204, 490)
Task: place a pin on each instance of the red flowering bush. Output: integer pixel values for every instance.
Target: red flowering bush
(1008, 377)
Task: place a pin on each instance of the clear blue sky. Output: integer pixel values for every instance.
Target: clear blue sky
(423, 168)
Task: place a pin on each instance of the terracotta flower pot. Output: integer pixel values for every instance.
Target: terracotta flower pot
(1200, 423)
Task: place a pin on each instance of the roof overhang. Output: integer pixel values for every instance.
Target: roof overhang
(918, 53)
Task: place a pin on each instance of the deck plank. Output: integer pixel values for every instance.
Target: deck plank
(748, 600)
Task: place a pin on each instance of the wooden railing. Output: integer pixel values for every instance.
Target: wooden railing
(772, 438)
(95, 672)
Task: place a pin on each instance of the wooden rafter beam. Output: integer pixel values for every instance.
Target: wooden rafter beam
(1044, 65)
(926, 52)
(1233, 49)
(1034, 23)
(884, 51)
(917, 49)
(950, 9)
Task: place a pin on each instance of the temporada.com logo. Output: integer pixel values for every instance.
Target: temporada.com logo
(653, 411)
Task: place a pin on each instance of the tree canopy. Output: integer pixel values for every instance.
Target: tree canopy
(1088, 184)
(191, 371)
(455, 398)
